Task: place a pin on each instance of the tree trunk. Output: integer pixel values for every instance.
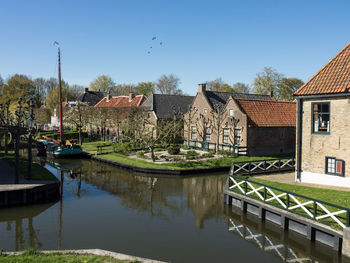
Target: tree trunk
(80, 141)
(29, 172)
(217, 138)
(17, 159)
(152, 154)
(6, 141)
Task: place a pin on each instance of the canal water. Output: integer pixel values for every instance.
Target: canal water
(163, 218)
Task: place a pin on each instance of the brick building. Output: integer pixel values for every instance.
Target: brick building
(323, 122)
(217, 120)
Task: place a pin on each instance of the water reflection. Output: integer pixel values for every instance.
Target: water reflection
(109, 208)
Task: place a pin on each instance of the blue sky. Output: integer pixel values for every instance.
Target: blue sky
(202, 40)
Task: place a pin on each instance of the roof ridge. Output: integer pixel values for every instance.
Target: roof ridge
(264, 100)
(318, 72)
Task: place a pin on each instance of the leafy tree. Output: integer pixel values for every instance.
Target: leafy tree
(52, 98)
(288, 87)
(103, 83)
(145, 88)
(240, 87)
(1, 84)
(268, 81)
(168, 85)
(19, 86)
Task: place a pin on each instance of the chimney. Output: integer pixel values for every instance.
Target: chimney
(86, 90)
(108, 96)
(201, 87)
(131, 96)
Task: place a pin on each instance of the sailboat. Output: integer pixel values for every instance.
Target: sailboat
(59, 148)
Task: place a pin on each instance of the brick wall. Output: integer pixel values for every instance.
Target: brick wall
(271, 140)
(315, 147)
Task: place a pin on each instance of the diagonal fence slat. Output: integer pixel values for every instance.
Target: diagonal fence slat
(259, 166)
(323, 212)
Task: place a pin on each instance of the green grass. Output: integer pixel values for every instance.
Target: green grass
(180, 165)
(38, 257)
(38, 172)
(91, 147)
(340, 198)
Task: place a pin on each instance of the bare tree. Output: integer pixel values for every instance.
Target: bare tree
(168, 85)
(78, 116)
(188, 121)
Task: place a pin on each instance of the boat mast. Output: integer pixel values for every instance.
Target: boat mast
(60, 95)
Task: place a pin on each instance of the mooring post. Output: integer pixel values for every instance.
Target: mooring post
(346, 242)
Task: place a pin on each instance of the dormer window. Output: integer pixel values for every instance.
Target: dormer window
(230, 112)
(321, 117)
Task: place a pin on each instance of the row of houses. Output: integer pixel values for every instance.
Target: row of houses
(316, 126)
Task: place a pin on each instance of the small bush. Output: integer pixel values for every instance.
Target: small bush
(176, 159)
(141, 155)
(123, 148)
(208, 155)
(158, 149)
(191, 155)
(185, 147)
(174, 149)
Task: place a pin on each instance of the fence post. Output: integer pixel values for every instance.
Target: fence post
(279, 165)
(265, 165)
(315, 210)
(287, 201)
(245, 187)
(264, 193)
(348, 218)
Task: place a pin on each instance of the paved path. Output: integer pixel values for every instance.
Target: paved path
(289, 178)
(7, 178)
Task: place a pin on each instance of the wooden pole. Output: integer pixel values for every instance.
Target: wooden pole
(60, 95)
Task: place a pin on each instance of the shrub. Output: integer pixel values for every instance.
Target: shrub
(185, 147)
(141, 155)
(191, 155)
(174, 149)
(158, 149)
(176, 159)
(208, 155)
(123, 148)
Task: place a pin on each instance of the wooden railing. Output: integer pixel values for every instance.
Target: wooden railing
(262, 166)
(320, 211)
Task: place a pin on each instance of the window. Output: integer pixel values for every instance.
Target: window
(237, 137)
(320, 117)
(230, 112)
(207, 134)
(334, 166)
(226, 136)
(193, 133)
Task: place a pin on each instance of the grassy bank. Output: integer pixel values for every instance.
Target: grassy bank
(38, 172)
(336, 197)
(38, 257)
(225, 161)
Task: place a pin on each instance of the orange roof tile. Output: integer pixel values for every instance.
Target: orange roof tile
(334, 77)
(265, 113)
(122, 101)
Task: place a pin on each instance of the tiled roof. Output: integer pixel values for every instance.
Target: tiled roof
(334, 77)
(163, 105)
(122, 101)
(264, 113)
(219, 99)
(91, 97)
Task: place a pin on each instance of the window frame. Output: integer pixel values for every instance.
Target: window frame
(229, 113)
(237, 137)
(227, 136)
(193, 132)
(342, 174)
(313, 118)
(206, 134)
